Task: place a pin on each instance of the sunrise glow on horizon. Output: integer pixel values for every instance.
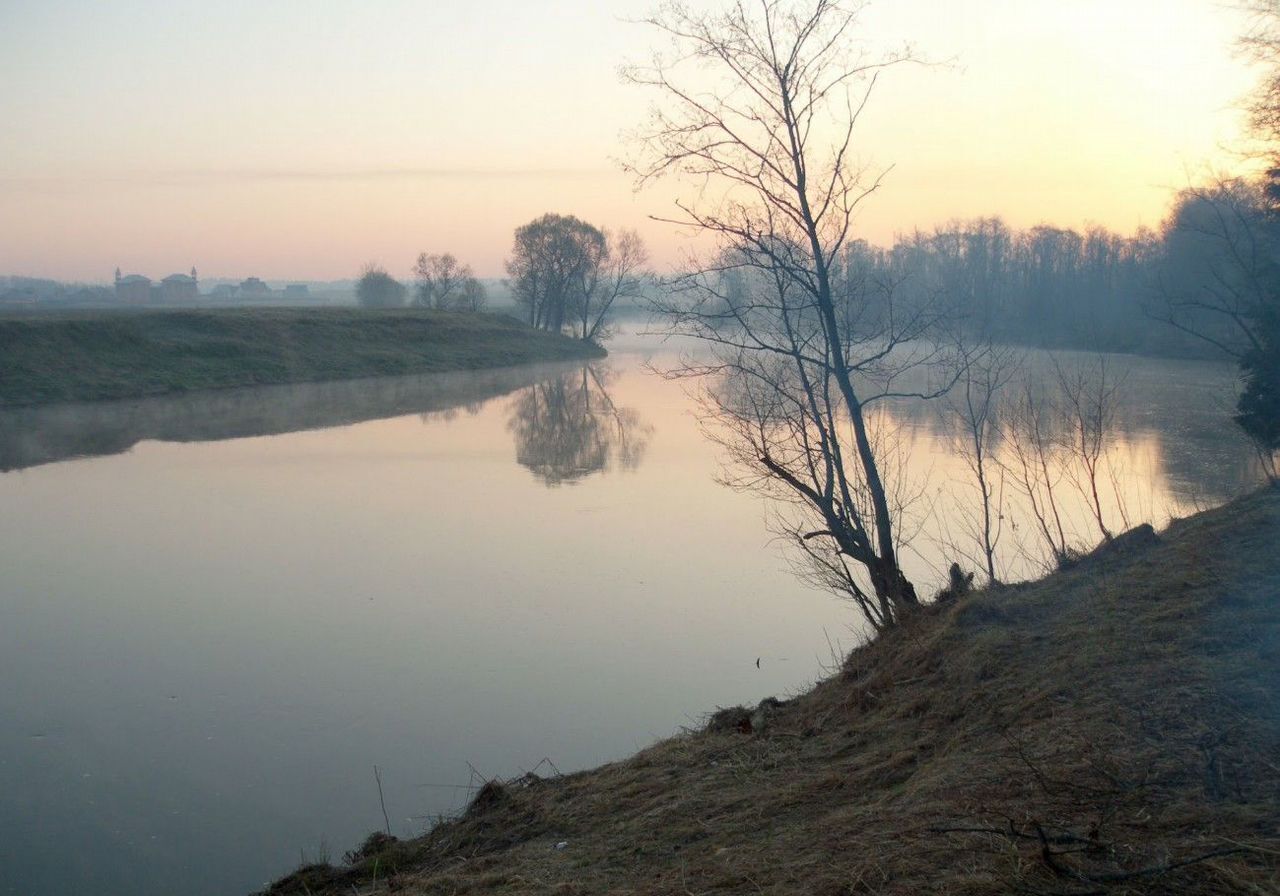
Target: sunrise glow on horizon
(300, 140)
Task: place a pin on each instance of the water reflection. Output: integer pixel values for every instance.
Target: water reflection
(205, 649)
(1082, 445)
(33, 436)
(568, 427)
(1175, 413)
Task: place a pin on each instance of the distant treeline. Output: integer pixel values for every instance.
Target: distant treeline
(22, 292)
(1056, 287)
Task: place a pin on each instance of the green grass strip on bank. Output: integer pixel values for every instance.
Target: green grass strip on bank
(94, 355)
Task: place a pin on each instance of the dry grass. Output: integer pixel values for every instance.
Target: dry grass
(1112, 729)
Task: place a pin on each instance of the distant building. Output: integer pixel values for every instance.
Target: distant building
(224, 291)
(179, 289)
(296, 291)
(176, 289)
(133, 289)
(254, 288)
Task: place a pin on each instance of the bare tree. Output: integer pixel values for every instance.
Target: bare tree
(1060, 433)
(473, 296)
(617, 274)
(1258, 408)
(1088, 395)
(1260, 43)
(1035, 465)
(758, 105)
(447, 285)
(974, 405)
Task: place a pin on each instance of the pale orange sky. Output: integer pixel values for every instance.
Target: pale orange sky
(302, 139)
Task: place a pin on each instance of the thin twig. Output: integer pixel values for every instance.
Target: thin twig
(377, 776)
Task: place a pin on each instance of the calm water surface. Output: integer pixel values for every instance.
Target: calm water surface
(218, 613)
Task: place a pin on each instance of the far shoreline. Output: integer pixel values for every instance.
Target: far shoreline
(90, 356)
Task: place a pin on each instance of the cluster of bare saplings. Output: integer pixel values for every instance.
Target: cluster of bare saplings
(1027, 437)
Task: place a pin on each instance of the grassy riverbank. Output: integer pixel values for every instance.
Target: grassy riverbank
(1111, 729)
(87, 356)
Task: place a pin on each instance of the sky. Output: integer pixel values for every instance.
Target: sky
(300, 139)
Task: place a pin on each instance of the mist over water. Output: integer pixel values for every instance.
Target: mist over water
(221, 611)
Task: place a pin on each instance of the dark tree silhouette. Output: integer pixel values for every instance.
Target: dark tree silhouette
(1217, 268)
(1258, 411)
(550, 259)
(378, 289)
(1232, 300)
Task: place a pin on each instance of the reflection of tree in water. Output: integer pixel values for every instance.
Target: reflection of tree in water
(448, 415)
(568, 427)
(1184, 410)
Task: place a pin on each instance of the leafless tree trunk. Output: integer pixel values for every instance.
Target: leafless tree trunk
(617, 274)
(973, 404)
(1088, 396)
(758, 105)
(1034, 465)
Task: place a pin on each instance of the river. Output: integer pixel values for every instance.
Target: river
(220, 612)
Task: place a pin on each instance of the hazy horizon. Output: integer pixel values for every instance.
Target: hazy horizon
(901, 456)
(299, 142)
